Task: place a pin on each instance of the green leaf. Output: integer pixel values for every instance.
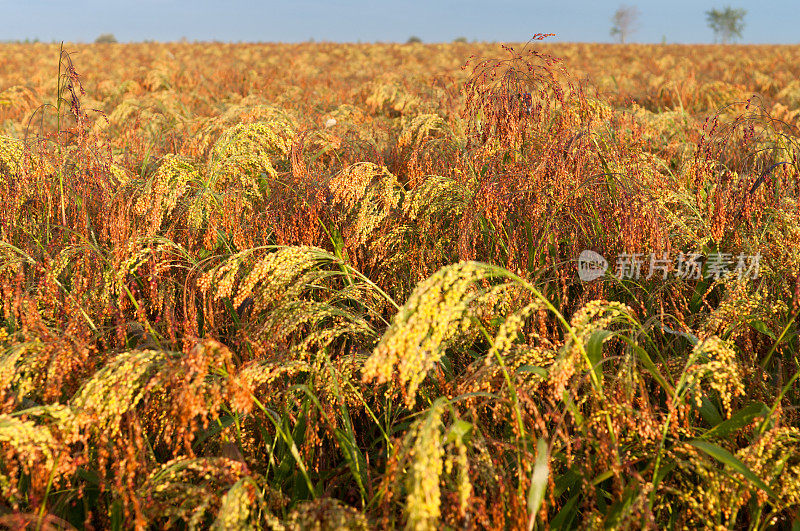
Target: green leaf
(648, 364)
(213, 430)
(780, 338)
(725, 457)
(534, 369)
(696, 302)
(231, 312)
(541, 471)
(458, 430)
(89, 476)
(594, 350)
(602, 477)
(565, 482)
(573, 409)
(566, 516)
(759, 326)
(662, 473)
(738, 420)
(355, 459)
(621, 507)
(116, 515)
(709, 412)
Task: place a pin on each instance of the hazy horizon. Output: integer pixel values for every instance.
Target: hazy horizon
(678, 22)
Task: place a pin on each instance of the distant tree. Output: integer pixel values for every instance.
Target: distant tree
(624, 22)
(413, 39)
(461, 40)
(105, 38)
(727, 24)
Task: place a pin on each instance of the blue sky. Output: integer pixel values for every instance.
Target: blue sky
(682, 21)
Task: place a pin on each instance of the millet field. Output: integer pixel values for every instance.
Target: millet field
(422, 286)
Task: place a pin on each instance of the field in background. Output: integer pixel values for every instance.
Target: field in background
(337, 286)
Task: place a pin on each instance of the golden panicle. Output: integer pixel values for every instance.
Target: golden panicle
(714, 363)
(38, 440)
(711, 494)
(392, 99)
(258, 373)
(222, 278)
(325, 514)
(247, 111)
(119, 386)
(338, 382)
(132, 257)
(161, 194)
(510, 329)
(436, 313)
(119, 174)
(595, 315)
(11, 157)
(775, 458)
(520, 361)
(348, 114)
(246, 151)
(19, 99)
(422, 128)
(488, 374)
(30, 441)
(317, 324)
(191, 490)
(436, 199)
(423, 507)
(239, 507)
(160, 111)
(740, 304)
(366, 194)
(157, 79)
(289, 312)
(275, 273)
(460, 462)
(18, 371)
(422, 238)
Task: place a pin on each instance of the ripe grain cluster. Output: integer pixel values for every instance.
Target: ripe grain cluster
(337, 286)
